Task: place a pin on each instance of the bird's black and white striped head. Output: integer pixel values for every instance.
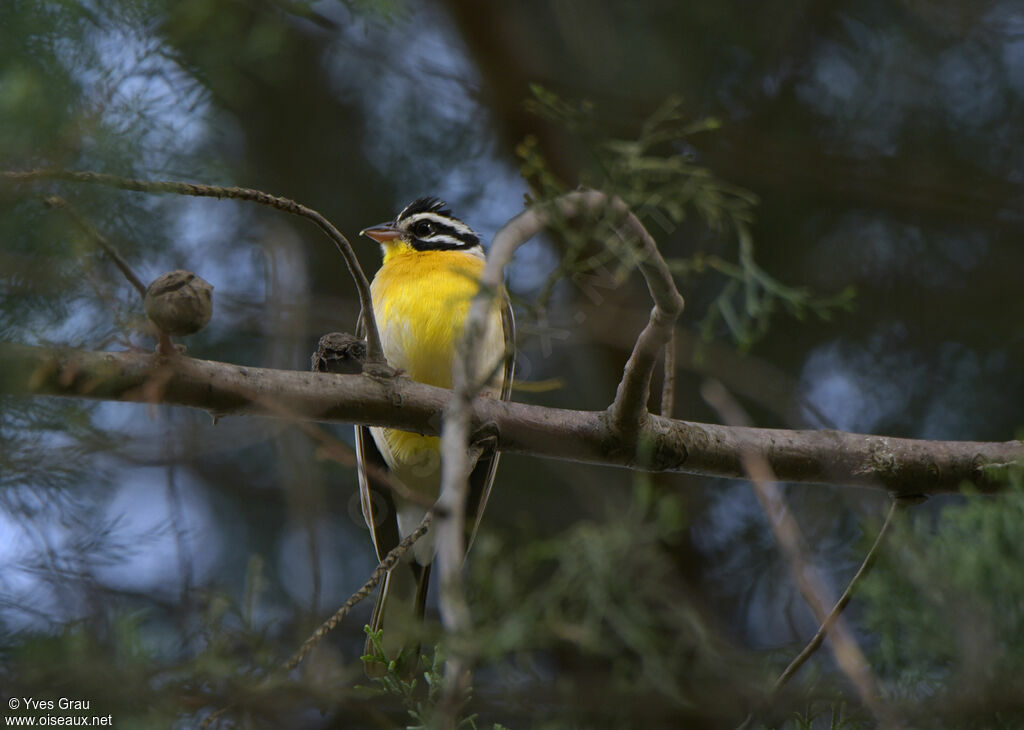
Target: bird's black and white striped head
(426, 224)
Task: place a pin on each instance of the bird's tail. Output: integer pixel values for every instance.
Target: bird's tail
(401, 603)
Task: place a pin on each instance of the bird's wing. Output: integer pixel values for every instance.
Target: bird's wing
(376, 500)
(482, 477)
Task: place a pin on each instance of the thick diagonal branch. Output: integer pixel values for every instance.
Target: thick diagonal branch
(904, 466)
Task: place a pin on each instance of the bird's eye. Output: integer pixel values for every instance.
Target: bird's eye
(423, 228)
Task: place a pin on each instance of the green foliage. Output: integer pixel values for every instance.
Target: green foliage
(655, 175)
(823, 715)
(134, 665)
(602, 595)
(942, 611)
(60, 108)
(945, 605)
(421, 701)
(36, 84)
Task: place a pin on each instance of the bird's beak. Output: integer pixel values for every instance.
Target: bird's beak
(381, 233)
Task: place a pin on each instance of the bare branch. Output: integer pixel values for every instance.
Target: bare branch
(629, 408)
(364, 592)
(389, 562)
(847, 652)
(668, 387)
(456, 464)
(55, 201)
(374, 352)
(826, 625)
(905, 466)
(457, 460)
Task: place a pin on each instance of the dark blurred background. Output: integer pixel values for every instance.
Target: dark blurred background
(884, 144)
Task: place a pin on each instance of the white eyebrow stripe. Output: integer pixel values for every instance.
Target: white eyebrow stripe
(444, 240)
(451, 223)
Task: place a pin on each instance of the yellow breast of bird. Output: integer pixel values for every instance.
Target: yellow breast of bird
(420, 300)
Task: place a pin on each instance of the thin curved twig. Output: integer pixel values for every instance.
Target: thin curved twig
(374, 351)
(833, 616)
(848, 655)
(629, 407)
(819, 637)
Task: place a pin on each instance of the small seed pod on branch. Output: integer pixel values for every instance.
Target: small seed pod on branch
(179, 302)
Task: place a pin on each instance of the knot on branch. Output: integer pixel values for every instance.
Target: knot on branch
(346, 354)
(669, 451)
(667, 311)
(339, 352)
